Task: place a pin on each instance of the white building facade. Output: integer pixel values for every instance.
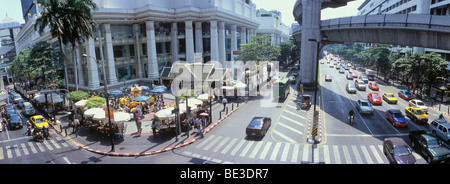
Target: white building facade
(272, 26)
(433, 7)
(141, 37)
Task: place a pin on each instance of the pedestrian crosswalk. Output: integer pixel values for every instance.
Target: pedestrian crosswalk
(279, 152)
(31, 147)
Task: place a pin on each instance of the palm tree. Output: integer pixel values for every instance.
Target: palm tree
(69, 22)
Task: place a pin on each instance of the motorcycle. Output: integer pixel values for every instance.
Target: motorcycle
(47, 134)
(38, 136)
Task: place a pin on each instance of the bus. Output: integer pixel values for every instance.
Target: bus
(281, 88)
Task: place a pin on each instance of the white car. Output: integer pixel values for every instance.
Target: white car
(419, 104)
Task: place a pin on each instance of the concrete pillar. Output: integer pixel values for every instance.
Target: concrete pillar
(310, 30)
(138, 49)
(189, 42)
(222, 49)
(214, 41)
(79, 66)
(198, 37)
(243, 35)
(153, 73)
(233, 40)
(174, 42)
(112, 78)
(91, 63)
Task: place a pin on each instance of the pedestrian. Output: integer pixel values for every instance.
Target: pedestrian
(76, 123)
(154, 128)
(139, 126)
(203, 121)
(224, 101)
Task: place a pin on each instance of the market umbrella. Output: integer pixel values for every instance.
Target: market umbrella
(93, 111)
(115, 93)
(157, 90)
(118, 116)
(141, 99)
(194, 102)
(165, 113)
(160, 87)
(240, 85)
(203, 97)
(145, 87)
(80, 103)
(41, 98)
(204, 114)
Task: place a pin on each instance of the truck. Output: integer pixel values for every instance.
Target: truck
(429, 147)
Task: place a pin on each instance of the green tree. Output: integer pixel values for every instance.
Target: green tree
(260, 49)
(69, 22)
(77, 95)
(95, 102)
(19, 65)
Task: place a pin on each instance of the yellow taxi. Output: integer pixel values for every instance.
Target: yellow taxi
(416, 115)
(39, 122)
(389, 97)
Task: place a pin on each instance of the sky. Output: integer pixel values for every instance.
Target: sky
(14, 10)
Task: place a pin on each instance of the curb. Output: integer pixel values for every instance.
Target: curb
(155, 151)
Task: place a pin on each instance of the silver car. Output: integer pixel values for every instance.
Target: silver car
(364, 106)
(350, 88)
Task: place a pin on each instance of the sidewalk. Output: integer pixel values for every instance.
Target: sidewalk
(134, 145)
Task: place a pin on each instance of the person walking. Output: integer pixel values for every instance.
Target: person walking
(139, 126)
(154, 128)
(224, 101)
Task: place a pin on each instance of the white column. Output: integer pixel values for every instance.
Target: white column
(153, 73)
(198, 37)
(92, 68)
(222, 49)
(174, 42)
(189, 42)
(112, 78)
(243, 35)
(233, 40)
(214, 41)
(79, 66)
(138, 51)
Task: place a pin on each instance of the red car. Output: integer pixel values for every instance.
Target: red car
(374, 86)
(374, 98)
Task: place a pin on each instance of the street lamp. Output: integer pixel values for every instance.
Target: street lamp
(320, 45)
(111, 134)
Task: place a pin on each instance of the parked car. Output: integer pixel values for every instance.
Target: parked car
(396, 117)
(430, 148)
(397, 151)
(350, 88)
(374, 98)
(258, 126)
(389, 97)
(419, 104)
(364, 107)
(405, 94)
(360, 85)
(374, 86)
(416, 115)
(440, 128)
